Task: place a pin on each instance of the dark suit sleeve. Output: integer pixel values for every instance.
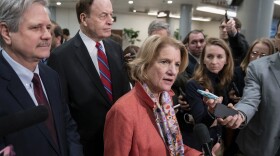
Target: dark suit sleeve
(54, 63)
(239, 47)
(72, 136)
(198, 108)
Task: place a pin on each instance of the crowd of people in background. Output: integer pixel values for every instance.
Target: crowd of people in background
(102, 99)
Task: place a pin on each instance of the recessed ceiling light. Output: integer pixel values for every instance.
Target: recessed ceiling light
(169, 2)
(130, 2)
(216, 10)
(58, 3)
(134, 10)
(277, 2)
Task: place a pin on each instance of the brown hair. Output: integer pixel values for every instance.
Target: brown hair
(225, 75)
(83, 6)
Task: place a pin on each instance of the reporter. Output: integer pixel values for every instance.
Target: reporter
(214, 73)
(230, 32)
(259, 48)
(258, 109)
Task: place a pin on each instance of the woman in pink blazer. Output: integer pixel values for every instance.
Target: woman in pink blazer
(143, 121)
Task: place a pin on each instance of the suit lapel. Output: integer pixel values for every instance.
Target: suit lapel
(114, 59)
(15, 86)
(85, 60)
(50, 91)
(19, 92)
(275, 67)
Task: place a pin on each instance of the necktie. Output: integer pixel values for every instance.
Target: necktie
(42, 100)
(105, 75)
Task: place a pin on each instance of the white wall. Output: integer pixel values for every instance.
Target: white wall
(66, 18)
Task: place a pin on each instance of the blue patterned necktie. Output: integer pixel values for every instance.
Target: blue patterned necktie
(105, 75)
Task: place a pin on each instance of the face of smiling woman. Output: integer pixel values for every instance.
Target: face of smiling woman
(163, 71)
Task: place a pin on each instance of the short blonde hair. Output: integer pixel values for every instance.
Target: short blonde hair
(149, 51)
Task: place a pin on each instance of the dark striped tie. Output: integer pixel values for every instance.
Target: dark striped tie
(105, 75)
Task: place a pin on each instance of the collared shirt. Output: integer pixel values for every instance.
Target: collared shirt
(92, 50)
(197, 59)
(25, 75)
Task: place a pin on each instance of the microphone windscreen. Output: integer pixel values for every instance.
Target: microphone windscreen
(202, 133)
(22, 119)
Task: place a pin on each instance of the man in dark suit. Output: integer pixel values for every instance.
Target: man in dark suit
(230, 31)
(194, 42)
(26, 39)
(77, 63)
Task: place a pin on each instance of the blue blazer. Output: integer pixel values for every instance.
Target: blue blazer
(36, 140)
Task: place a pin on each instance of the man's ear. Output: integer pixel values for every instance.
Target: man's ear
(58, 39)
(83, 17)
(5, 33)
(238, 30)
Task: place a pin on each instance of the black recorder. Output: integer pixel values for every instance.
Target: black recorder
(226, 17)
(221, 111)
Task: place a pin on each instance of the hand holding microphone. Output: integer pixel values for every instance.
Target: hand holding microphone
(22, 119)
(202, 134)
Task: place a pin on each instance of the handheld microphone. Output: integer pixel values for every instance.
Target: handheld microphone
(22, 119)
(203, 136)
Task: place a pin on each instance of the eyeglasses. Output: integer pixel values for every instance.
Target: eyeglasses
(257, 54)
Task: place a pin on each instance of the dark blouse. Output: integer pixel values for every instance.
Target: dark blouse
(199, 109)
(238, 79)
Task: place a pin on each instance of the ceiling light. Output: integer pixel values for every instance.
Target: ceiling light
(152, 13)
(169, 2)
(163, 14)
(58, 3)
(277, 2)
(201, 19)
(130, 2)
(216, 10)
(193, 18)
(134, 10)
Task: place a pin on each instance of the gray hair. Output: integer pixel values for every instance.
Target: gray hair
(12, 10)
(158, 25)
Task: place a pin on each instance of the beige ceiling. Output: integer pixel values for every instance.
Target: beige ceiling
(122, 6)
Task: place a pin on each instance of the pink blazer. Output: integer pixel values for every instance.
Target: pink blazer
(130, 128)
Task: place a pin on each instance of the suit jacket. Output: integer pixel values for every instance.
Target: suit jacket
(239, 47)
(183, 77)
(261, 105)
(36, 140)
(191, 66)
(131, 130)
(89, 102)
